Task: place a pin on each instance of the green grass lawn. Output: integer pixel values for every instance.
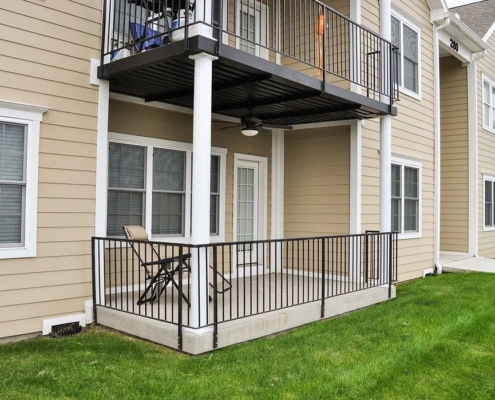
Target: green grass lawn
(435, 341)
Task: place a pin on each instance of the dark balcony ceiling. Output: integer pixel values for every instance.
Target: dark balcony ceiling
(241, 83)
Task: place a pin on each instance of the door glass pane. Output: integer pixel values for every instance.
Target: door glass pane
(247, 31)
(245, 204)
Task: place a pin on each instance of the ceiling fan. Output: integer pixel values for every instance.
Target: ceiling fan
(252, 125)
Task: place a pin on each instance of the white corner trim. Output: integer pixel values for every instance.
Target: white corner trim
(489, 33)
(49, 323)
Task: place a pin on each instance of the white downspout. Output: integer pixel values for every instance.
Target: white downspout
(473, 153)
(436, 116)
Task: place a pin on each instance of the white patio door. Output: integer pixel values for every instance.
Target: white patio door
(246, 212)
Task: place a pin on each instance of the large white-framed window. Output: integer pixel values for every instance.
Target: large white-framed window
(406, 197)
(251, 27)
(488, 104)
(19, 154)
(488, 202)
(150, 184)
(406, 35)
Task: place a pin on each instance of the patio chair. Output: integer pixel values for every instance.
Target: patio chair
(144, 38)
(157, 279)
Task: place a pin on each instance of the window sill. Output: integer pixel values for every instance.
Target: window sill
(410, 93)
(488, 228)
(488, 129)
(17, 252)
(412, 235)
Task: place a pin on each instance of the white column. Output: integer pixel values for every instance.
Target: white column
(277, 223)
(385, 132)
(473, 158)
(203, 65)
(355, 201)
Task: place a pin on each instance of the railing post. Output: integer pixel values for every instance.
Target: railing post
(366, 257)
(323, 278)
(390, 265)
(324, 81)
(215, 298)
(93, 266)
(179, 302)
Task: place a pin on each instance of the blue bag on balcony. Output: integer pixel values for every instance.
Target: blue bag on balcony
(140, 35)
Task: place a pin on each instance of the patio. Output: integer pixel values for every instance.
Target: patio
(293, 282)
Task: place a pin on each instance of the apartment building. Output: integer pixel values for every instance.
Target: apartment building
(273, 145)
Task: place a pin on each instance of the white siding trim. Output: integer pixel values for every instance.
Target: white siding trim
(277, 223)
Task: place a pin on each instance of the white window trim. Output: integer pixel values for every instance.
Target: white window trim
(490, 178)
(149, 143)
(30, 116)
(488, 127)
(413, 163)
(261, 9)
(417, 29)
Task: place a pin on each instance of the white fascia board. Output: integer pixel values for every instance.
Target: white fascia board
(472, 41)
(463, 54)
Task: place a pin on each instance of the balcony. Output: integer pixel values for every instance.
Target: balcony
(285, 61)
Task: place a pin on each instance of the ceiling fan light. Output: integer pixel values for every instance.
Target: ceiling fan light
(249, 132)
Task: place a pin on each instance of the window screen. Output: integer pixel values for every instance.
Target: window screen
(12, 183)
(126, 184)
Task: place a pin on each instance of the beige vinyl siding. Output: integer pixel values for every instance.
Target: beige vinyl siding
(486, 151)
(140, 120)
(454, 229)
(46, 51)
(317, 182)
(412, 136)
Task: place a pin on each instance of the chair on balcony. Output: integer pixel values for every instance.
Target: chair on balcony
(159, 272)
(144, 38)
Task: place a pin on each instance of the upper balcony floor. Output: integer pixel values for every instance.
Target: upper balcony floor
(285, 61)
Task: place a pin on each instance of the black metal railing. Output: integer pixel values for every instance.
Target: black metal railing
(241, 279)
(306, 35)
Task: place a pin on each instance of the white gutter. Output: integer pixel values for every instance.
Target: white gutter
(473, 153)
(436, 107)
